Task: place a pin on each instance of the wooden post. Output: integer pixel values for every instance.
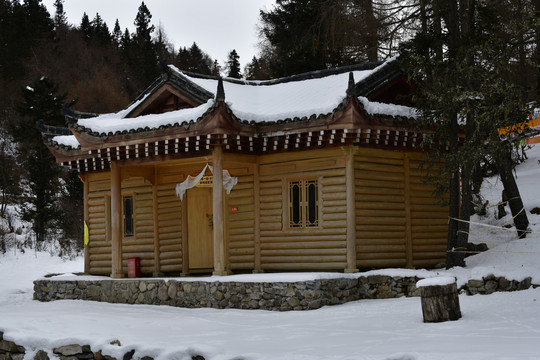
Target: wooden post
(408, 219)
(439, 297)
(218, 210)
(117, 270)
(351, 211)
(155, 218)
(185, 251)
(257, 214)
(86, 186)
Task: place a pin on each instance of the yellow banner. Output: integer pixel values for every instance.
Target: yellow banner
(86, 234)
(519, 127)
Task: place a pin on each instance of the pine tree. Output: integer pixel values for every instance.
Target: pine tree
(233, 65)
(41, 102)
(144, 58)
(257, 70)
(60, 19)
(100, 31)
(86, 28)
(117, 33)
(463, 67)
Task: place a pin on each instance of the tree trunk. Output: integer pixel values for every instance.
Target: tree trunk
(453, 205)
(440, 303)
(465, 216)
(537, 52)
(519, 214)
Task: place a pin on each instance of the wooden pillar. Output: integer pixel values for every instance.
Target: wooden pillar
(257, 214)
(155, 218)
(116, 221)
(86, 186)
(408, 220)
(351, 210)
(218, 210)
(185, 258)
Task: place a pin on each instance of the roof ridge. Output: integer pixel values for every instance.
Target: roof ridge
(316, 74)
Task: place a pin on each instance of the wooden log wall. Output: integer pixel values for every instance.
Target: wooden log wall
(316, 248)
(99, 246)
(398, 220)
(141, 244)
(240, 221)
(170, 217)
(429, 220)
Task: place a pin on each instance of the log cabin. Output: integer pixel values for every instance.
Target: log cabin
(314, 172)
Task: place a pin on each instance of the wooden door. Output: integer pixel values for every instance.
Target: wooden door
(200, 229)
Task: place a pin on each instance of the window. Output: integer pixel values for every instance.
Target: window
(128, 216)
(303, 204)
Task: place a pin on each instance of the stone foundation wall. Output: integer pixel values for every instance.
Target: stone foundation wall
(280, 296)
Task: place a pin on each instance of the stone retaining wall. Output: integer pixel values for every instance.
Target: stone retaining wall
(280, 296)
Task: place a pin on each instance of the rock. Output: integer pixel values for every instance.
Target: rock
(172, 290)
(491, 286)
(504, 284)
(68, 350)
(197, 357)
(129, 355)
(11, 347)
(99, 356)
(475, 283)
(41, 355)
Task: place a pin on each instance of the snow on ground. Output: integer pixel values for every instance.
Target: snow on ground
(497, 326)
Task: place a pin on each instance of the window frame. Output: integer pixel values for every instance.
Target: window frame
(124, 223)
(304, 204)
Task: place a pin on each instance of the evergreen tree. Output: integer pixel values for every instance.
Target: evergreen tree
(100, 31)
(41, 102)
(117, 33)
(60, 19)
(257, 70)
(233, 65)
(86, 28)
(144, 57)
(195, 60)
(305, 35)
(216, 69)
(463, 68)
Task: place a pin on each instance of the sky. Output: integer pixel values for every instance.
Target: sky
(217, 26)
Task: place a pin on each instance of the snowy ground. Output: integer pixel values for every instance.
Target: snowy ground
(498, 326)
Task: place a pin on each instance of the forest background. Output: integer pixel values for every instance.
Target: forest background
(475, 64)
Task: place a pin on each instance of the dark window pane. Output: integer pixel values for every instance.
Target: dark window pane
(312, 211)
(295, 215)
(128, 216)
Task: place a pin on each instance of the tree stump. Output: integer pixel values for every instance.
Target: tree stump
(440, 301)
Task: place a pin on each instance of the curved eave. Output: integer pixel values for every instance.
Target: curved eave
(65, 154)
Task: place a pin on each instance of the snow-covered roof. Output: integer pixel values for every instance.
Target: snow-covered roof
(69, 141)
(251, 101)
(295, 99)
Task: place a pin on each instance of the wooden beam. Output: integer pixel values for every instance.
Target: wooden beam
(116, 221)
(218, 210)
(351, 210)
